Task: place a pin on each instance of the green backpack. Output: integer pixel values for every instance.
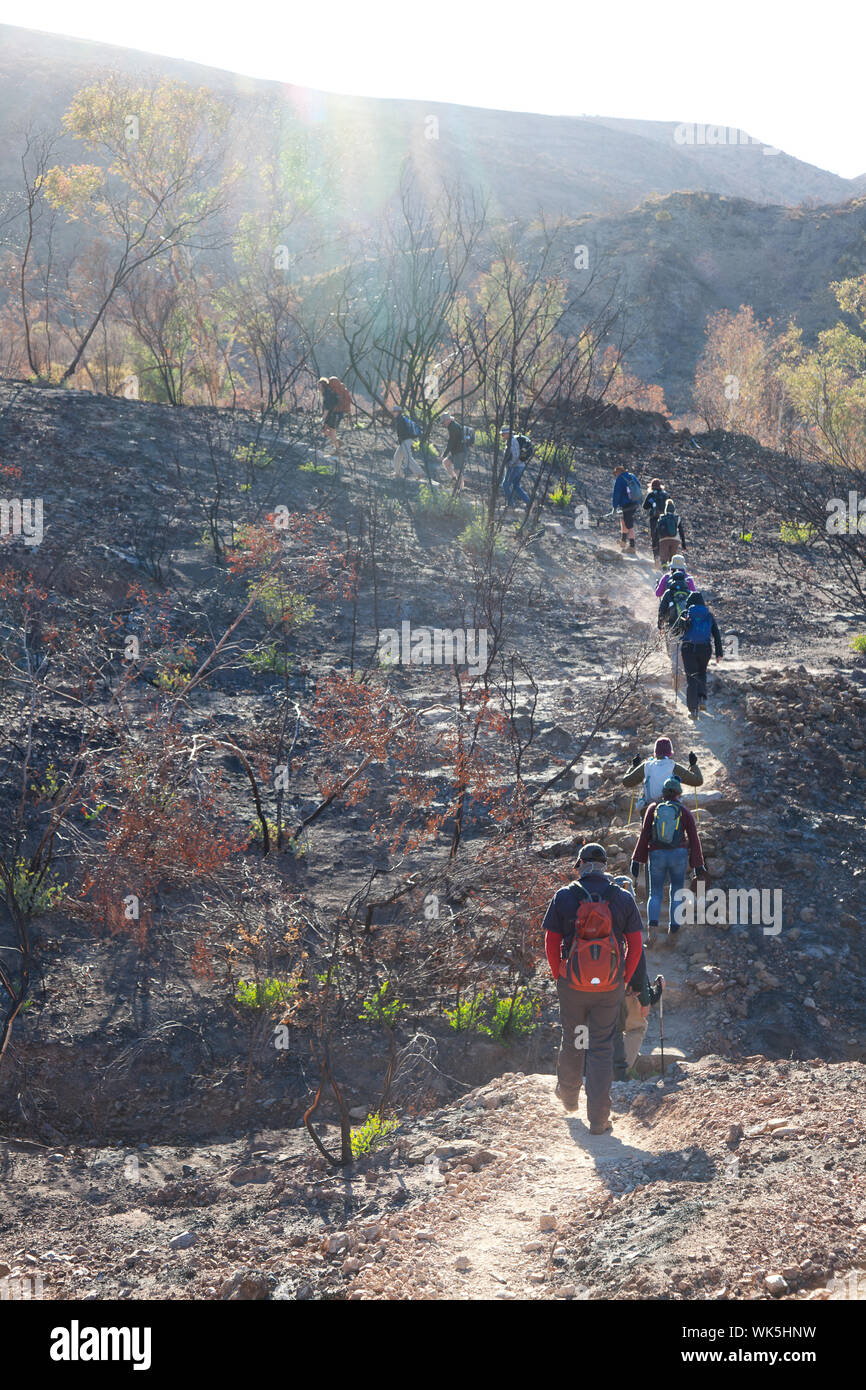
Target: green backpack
(666, 823)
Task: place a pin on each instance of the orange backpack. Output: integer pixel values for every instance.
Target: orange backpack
(342, 394)
(594, 960)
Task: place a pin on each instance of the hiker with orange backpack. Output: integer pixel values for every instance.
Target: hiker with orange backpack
(669, 841)
(593, 939)
(337, 405)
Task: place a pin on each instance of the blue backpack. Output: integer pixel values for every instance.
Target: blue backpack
(413, 429)
(698, 623)
(635, 492)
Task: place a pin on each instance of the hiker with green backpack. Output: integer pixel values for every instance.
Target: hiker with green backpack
(677, 562)
(696, 629)
(669, 842)
(593, 939)
(668, 526)
(675, 597)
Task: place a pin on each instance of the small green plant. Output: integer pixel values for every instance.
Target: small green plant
(498, 1016)
(480, 534)
(382, 1007)
(796, 534)
(746, 536)
(252, 456)
(372, 1134)
(270, 659)
(562, 495)
(858, 643)
(324, 470)
(50, 786)
(265, 994)
(437, 502)
(35, 893)
(281, 605)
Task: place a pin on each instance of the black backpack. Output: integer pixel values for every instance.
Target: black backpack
(525, 446)
(667, 524)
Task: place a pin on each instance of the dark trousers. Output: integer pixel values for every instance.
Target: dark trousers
(654, 534)
(696, 659)
(588, 1057)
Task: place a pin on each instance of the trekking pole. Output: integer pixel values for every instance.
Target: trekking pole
(697, 810)
(677, 674)
(662, 1024)
(630, 808)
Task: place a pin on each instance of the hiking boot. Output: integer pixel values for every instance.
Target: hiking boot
(631, 545)
(693, 714)
(570, 1100)
(601, 1128)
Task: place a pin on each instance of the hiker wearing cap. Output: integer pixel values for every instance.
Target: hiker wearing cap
(696, 628)
(654, 504)
(668, 526)
(514, 469)
(626, 499)
(675, 597)
(652, 773)
(677, 562)
(593, 942)
(669, 842)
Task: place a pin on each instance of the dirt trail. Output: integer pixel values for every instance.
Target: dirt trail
(490, 1233)
(487, 1238)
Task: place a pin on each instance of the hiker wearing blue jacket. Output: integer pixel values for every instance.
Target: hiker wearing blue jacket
(626, 500)
(697, 630)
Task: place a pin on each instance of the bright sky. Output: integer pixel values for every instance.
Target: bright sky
(785, 74)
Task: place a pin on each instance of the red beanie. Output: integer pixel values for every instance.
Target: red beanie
(663, 748)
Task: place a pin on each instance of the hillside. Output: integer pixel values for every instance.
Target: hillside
(140, 1101)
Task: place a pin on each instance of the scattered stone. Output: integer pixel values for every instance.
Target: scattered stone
(245, 1285)
(256, 1173)
(183, 1241)
(547, 1221)
(462, 1262)
(776, 1284)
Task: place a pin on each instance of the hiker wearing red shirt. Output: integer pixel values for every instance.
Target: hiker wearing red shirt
(593, 939)
(670, 842)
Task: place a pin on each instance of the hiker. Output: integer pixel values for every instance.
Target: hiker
(677, 592)
(515, 464)
(696, 629)
(655, 771)
(639, 997)
(654, 504)
(456, 456)
(678, 562)
(593, 939)
(667, 526)
(337, 405)
(407, 430)
(669, 842)
(626, 499)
